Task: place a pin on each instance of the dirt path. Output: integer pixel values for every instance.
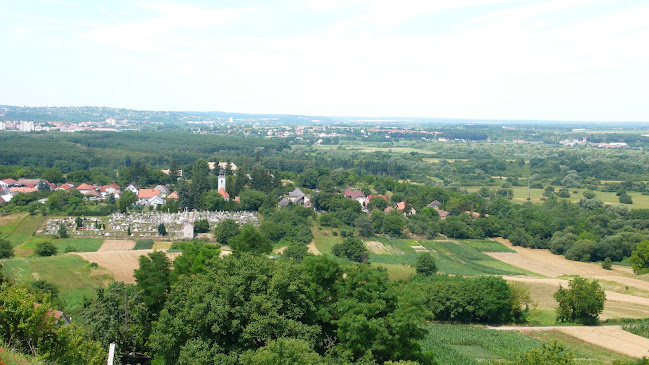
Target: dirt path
(312, 249)
(546, 263)
(613, 338)
(116, 245)
(121, 264)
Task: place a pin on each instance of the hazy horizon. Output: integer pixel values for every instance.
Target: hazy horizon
(568, 60)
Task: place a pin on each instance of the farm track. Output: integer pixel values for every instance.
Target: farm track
(612, 338)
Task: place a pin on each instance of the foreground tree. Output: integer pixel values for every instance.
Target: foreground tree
(152, 279)
(250, 240)
(582, 302)
(351, 248)
(553, 353)
(226, 230)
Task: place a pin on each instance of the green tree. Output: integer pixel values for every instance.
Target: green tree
(6, 249)
(582, 302)
(426, 264)
(377, 202)
(63, 232)
(252, 200)
(152, 278)
(393, 224)
(201, 226)
(250, 240)
(194, 260)
(625, 199)
(53, 175)
(212, 201)
(640, 258)
(226, 230)
(45, 248)
(118, 314)
(296, 251)
(364, 225)
(126, 200)
(351, 248)
(162, 230)
(79, 222)
(283, 351)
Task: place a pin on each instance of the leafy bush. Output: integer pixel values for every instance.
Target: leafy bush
(426, 264)
(6, 249)
(45, 248)
(607, 264)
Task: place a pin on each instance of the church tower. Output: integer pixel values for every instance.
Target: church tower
(221, 179)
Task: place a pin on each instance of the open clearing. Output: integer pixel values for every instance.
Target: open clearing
(116, 245)
(121, 264)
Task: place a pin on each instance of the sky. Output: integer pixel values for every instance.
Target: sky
(580, 60)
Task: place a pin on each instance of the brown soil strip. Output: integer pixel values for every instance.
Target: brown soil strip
(121, 264)
(116, 245)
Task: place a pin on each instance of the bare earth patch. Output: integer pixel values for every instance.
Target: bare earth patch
(116, 245)
(546, 263)
(379, 248)
(419, 249)
(312, 249)
(613, 338)
(121, 264)
(280, 250)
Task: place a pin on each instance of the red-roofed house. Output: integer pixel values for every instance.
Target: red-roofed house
(21, 189)
(406, 208)
(173, 195)
(93, 195)
(7, 183)
(149, 197)
(355, 195)
(65, 187)
(85, 188)
(27, 182)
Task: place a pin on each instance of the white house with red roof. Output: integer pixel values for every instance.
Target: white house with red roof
(64, 187)
(149, 197)
(355, 194)
(8, 183)
(133, 187)
(85, 188)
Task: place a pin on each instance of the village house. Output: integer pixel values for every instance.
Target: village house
(113, 188)
(173, 196)
(93, 195)
(85, 188)
(64, 187)
(298, 197)
(133, 188)
(149, 197)
(406, 208)
(163, 190)
(6, 183)
(22, 189)
(355, 195)
(223, 165)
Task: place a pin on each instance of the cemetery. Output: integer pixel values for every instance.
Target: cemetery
(144, 225)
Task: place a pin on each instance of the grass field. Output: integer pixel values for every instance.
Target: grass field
(324, 238)
(20, 228)
(486, 245)
(75, 278)
(466, 345)
(77, 244)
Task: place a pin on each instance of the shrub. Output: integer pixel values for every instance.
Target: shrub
(625, 199)
(45, 248)
(69, 248)
(607, 264)
(6, 249)
(201, 226)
